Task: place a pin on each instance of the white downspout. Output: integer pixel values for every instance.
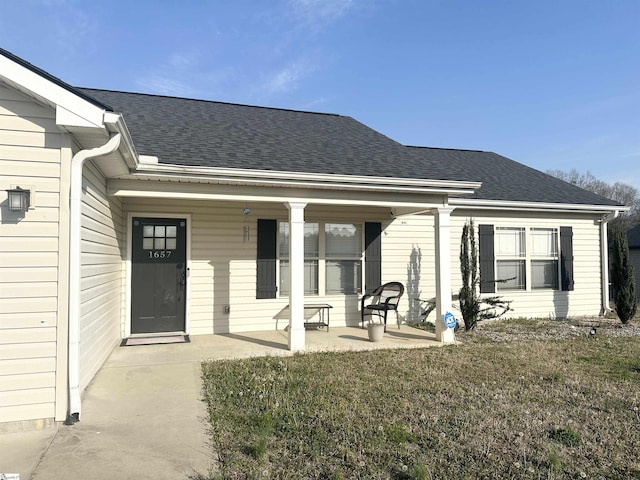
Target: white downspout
(604, 259)
(75, 262)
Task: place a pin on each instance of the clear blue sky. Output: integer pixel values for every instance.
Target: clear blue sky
(554, 84)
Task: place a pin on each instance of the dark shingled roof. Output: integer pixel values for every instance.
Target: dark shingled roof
(508, 180)
(215, 134)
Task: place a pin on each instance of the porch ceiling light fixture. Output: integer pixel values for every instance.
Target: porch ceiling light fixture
(19, 199)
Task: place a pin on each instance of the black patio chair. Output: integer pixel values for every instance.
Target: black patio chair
(381, 301)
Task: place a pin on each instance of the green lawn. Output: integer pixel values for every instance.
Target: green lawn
(542, 408)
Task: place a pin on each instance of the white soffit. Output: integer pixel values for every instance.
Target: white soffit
(69, 119)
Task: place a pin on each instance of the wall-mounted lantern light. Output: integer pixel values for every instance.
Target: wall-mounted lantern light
(19, 199)
(245, 228)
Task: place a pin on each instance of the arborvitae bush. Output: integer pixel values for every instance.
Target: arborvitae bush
(473, 307)
(469, 295)
(622, 276)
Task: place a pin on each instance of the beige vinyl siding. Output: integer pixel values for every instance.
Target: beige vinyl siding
(223, 268)
(30, 157)
(409, 246)
(585, 299)
(408, 257)
(102, 283)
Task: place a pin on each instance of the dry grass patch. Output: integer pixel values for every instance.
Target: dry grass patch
(541, 408)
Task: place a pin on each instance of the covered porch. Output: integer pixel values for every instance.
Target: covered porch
(225, 249)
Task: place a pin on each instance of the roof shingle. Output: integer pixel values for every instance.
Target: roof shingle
(216, 134)
(507, 180)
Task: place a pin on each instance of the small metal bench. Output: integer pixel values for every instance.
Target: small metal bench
(322, 309)
(381, 301)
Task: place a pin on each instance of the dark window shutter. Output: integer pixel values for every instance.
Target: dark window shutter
(372, 256)
(566, 259)
(266, 259)
(487, 259)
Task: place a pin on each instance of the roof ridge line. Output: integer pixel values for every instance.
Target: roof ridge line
(445, 148)
(211, 101)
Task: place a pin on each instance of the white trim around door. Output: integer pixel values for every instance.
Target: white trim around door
(130, 216)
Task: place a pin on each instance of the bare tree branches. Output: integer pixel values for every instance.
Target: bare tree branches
(620, 192)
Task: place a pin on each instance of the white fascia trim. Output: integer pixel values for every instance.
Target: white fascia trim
(149, 159)
(308, 180)
(74, 109)
(262, 199)
(534, 206)
(117, 122)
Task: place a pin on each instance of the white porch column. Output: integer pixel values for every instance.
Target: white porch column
(296, 276)
(443, 273)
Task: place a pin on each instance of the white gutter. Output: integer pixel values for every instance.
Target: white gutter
(534, 206)
(297, 178)
(75, 262)
(604, 260)
(361, 184)
(117, 121)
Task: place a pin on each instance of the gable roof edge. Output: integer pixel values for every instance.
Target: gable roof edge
(73, 107)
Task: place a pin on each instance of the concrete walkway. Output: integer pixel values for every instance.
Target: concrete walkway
(143, 416)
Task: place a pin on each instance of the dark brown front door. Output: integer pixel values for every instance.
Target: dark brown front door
(158, 275)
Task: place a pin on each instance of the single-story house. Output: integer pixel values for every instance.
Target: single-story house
(127, 214)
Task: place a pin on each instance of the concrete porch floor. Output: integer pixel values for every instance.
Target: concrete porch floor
(142, 415)
(268, 342)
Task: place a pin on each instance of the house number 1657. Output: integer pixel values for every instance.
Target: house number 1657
(159, 253)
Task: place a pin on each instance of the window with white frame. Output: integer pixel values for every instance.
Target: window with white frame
(343, 258)
(526, 257)
(311, 257)
(336, 258)
(510, 251)
(544, 258)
